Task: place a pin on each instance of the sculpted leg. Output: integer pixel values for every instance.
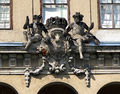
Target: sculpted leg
(28, 44)
(80, 52)
(80, 48)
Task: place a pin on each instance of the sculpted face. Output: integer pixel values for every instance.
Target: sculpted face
(78, 19)
(36, 20)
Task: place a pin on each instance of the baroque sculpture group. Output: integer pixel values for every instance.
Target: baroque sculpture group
(57, 43)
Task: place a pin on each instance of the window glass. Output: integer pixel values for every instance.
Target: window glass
(110, 13)
(4, 16)
(4, 1)
(48, 1)
(105, 1)
(116, 1)
(53, 11)
(61, 1)
(117, 16)
(106, 16)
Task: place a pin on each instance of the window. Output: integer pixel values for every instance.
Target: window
(109, 13)
(53, 8)
(5, 14)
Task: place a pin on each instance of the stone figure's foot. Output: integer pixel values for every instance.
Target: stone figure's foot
(24, 49)
(97, 42)
(81, 56)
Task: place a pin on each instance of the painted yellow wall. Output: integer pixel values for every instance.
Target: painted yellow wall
(18, 82)
(82, 6)
(23, 8)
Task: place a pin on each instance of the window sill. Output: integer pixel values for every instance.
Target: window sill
(6, 29)
(109, 28)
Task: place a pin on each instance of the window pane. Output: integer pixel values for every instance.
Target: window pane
(116, 1)
(48, 1)
(2, 25)
(105, 1)
(106, 16)
(117, 16)
(4, 1)
(7, 25)
(4, 13)
(53, 11)
(4, 17)
(61, 1)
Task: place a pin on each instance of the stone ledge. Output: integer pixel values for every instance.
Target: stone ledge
(18, 47)
(94, 72)
(11, 44)
(105, 44)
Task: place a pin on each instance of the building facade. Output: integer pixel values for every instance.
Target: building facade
(98, 71)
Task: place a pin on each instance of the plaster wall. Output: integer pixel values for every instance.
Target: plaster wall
(23, 8)
(97, 82)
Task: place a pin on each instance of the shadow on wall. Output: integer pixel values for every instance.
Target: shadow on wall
(57, 88)
(111, 88)
(7, 89)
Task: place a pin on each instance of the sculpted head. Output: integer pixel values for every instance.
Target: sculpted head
(37, 18)
(78, 17)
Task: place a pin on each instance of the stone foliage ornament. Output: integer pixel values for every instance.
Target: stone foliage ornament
(27, 77)
(80, 72)
(29, 72)
(59, 45)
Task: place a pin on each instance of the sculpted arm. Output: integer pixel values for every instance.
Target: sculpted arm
(88, 28)
(44, 28)
(85, 26)
(70, 27)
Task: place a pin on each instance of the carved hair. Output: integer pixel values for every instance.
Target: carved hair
(78, 15)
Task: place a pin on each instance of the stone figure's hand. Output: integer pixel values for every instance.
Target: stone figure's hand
(27, 20)
(91, 26)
